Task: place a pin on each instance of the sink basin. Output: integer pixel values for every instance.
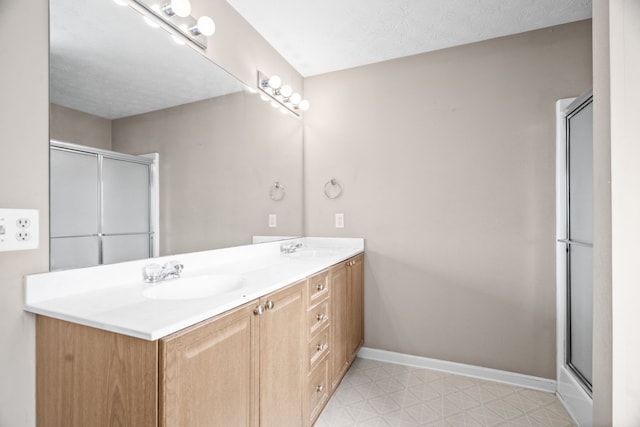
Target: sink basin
(195, 287)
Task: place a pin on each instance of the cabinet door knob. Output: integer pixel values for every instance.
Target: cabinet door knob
(321, 347)
(258, 310)
(320, 317)
(269, 305)
(320, 286)
(319, 388)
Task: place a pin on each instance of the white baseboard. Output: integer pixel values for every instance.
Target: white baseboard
(512, 378)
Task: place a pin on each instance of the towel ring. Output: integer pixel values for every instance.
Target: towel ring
(277, 192)
(332, 189)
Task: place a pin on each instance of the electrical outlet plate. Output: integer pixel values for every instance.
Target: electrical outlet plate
(339, 220)
(19, 229)
(273, 220)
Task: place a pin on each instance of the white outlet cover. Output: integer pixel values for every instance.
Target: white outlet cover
(19, 229)
(273, 220)
(339, 220)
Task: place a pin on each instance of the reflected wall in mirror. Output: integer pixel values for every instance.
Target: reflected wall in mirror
(118, 84)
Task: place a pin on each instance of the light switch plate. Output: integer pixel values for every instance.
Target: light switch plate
(339, 220)
(273, 220)
(19, 229)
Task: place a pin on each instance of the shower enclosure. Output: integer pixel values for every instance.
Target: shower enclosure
(101, 206)
(574, 250)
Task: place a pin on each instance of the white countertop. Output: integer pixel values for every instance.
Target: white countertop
(111, 297)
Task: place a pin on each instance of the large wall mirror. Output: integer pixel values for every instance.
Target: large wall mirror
(119, 85)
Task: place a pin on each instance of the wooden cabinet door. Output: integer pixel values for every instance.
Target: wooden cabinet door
(282, 337)
(338, 346)
(208, 373)
(355, 304)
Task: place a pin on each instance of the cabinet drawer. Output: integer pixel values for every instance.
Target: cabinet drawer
(318, 288)
(318, 390)
(317, 318)
(318, 348)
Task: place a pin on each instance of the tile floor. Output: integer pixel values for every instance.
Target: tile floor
(383, 394)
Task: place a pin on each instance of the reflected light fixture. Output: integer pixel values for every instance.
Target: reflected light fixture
(273, 89)
(176, 14)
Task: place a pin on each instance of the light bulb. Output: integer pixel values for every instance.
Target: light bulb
(275, 82)
(295, 98)
(286, 91)
(182, 8)
(206, 26)
(304, 105)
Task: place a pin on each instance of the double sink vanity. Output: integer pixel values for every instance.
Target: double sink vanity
(256, 335)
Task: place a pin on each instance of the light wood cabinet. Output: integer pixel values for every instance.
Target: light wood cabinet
(339, 358)
(355, 305)
(270, 362)
(208, 373)
(281, 341)
(90, 377)
(347, 327)
(318, 349)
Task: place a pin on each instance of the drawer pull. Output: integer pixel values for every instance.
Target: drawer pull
(258, 310)
(320, 317)
(269, 305)
(319, 388)
(320, 286)
(321, 347)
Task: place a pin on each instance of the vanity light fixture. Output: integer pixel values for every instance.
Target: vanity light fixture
(176, 14)
(281, 95)
(182, 8)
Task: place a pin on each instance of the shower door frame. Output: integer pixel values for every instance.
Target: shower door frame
(574, 395)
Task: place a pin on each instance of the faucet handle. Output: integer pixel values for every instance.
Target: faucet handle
(152, 272)
(174, 266)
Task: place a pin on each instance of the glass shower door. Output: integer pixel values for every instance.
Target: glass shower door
(126, 216)
(579, 241)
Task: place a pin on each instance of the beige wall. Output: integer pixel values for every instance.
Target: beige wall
(218, 158)
(24, 137)
(69, 125)
(602, 368)
(624, 60)
(447, 162)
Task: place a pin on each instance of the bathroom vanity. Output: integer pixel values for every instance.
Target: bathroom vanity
(268, 350)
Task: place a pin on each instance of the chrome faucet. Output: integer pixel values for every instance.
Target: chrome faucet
(289, 248)
(154, 273)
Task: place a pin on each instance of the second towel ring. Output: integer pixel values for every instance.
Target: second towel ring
(332, 189)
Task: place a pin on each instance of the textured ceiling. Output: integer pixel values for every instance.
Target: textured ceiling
(106, 61)
(316, 37)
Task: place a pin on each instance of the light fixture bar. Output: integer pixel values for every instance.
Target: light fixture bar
(282, 94)
(186, 27)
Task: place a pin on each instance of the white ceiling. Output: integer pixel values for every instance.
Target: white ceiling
(317, 37)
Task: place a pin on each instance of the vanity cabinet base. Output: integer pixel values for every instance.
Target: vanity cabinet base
(91, 377)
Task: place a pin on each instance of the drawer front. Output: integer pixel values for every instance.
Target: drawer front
(318, 348)
(317, 318)
(318, 288)
(318, 390)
